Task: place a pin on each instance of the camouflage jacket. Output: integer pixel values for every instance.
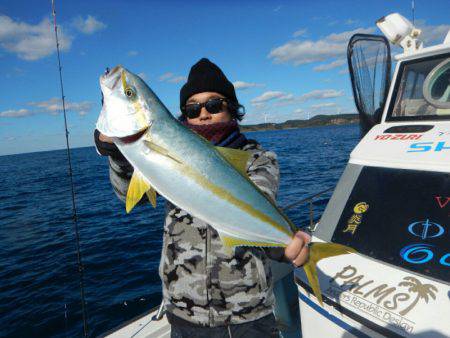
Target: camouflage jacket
(202, 283)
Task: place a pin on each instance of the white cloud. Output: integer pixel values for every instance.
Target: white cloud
(432, 34)
(165, 76)
(15, 72)
(269, 96)
(321, 94)
(90, 25)
(298, 111)
(351, 22)
(331, 65)
(31, 42)
(177, 79)
(324, 105)
(53, 106)
(300, 32)
(307, 51)
(278, 98)
(333, 23)
(343, 37)
(241, 85)
(172, 78)
(132, 53)
(16, 113)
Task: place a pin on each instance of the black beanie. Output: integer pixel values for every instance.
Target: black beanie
(205, 76)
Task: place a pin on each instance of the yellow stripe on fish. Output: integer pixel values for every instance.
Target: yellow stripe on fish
(227, 196)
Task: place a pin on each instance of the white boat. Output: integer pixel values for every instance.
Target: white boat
(392, 203)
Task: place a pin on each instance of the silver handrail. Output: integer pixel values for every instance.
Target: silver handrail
(310, 200)
(160, 313)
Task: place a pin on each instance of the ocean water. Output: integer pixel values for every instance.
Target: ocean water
(39, 280)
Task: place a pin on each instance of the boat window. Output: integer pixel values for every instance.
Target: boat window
(400, 217)
(414, 80)
(436, 89)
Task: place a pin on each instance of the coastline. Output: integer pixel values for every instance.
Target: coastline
(318, 120)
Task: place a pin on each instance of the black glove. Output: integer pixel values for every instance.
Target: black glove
(107, 149)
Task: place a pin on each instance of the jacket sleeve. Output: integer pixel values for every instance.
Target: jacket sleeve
(264, 171)
(120, 173)
(120, 170)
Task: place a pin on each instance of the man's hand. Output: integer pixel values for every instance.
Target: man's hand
(297, 251)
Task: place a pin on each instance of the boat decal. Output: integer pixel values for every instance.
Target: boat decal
(392, 137)
(419, 215)
(425, 229)
(443, 133)
(440, 200)
(421, 147)
(387, 303)
(350, 314)
(421, 253)
(355, 220)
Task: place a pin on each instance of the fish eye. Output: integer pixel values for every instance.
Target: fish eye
(129, 92)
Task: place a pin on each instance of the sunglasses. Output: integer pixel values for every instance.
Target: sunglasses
(213, 106)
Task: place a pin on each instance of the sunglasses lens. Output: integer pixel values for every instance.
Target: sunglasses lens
(214, 106)
(192, 110)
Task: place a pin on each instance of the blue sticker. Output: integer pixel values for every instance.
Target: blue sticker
(420, 147)
(417, 253)
(426, 229)
(445, 260)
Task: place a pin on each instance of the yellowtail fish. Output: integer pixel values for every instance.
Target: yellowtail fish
(208, 182)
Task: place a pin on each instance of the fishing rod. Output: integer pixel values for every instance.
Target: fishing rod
(75, 218)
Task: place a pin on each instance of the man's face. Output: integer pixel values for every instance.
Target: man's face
(205, 116)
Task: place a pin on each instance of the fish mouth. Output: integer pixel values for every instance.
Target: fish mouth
(111, 79)
(134, 137)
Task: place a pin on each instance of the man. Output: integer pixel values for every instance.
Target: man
(207, 291)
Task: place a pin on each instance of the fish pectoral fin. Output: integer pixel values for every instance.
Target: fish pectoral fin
(161, 150)
(237, 158)
(317, 252)
(137, 188)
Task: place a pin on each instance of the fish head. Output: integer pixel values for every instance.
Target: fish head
(125, 111)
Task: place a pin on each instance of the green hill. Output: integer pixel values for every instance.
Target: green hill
(318, 120)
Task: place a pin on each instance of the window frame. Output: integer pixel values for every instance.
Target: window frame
(395, 93)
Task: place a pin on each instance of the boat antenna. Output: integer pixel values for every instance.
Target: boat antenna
(74, 209)
(413, 8)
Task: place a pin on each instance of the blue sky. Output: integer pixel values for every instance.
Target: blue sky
(286, 58)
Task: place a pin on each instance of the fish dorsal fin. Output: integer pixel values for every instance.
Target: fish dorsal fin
(137, 188)
(317, 252)
(237, 158)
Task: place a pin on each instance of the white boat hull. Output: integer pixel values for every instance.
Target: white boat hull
(366, 298)
(145, 326)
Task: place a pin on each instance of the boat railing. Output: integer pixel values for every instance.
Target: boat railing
(310, 200)
(160, 313)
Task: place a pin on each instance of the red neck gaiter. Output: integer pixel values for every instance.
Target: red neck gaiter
(215, 132)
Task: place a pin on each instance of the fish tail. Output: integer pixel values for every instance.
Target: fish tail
(317, 252)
